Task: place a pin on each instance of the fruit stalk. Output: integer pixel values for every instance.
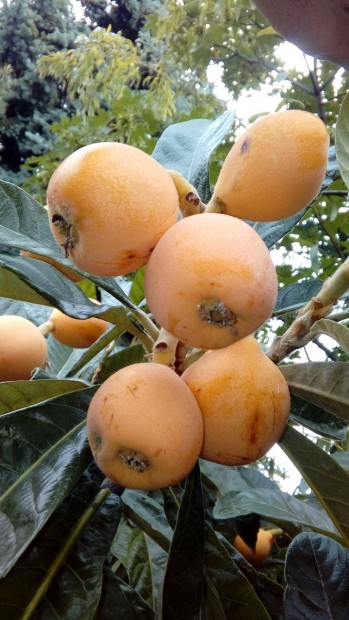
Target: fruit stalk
(189, 201)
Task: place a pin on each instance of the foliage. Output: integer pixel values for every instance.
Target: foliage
(74, 546)
(161, 553)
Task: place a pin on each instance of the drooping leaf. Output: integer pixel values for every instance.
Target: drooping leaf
(316, 573)
(119, 598)
(43, 452)
(325, 384)
(328, 481)
(273, 504)
(318, 420)
(20, 394)
(184, 577)
(342, 139)
(125, 357)
(334, 330)
(76, 589)
(130, 547)
(231, 587)
(187, 147)
(149, 515)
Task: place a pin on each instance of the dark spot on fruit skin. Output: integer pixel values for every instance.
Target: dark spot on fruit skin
(254, 428)
(245, 146)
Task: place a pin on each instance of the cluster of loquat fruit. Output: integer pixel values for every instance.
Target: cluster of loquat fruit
(210, 284)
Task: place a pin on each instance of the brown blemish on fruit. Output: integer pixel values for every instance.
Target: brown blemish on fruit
(245, 146)
(135, 460)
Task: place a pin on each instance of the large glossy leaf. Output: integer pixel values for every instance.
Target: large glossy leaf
(131, 355)
(43, 451)
(149, 515)
(325, 384)
(342, 140)
(119, 600)
(20, 394)
(316, 575)
(235, 479)
(76, 589)
(24, 222)
(273, 504)
(318, 420)
(228, 584)
(187, 147)
(184, 577)
(130, 548)
(327, 479)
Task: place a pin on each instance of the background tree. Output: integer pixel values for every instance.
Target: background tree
(29, 29)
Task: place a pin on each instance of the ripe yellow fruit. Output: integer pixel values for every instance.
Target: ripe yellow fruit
(244, 399)
(77, 333)
(22, 348)
(210, 281)
(145, 427)
(275, 168)
(108, 205)
(263, 548)
(69, 273)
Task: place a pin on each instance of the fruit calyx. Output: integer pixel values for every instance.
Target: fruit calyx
(65, 230)
(133, 459)
(216, 313)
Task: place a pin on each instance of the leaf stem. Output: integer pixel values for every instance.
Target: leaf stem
(64, 552)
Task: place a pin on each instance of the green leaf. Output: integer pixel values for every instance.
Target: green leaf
(24, 222)
(273, 505)
(43, 452)
(233, 589)
(187, 147)
(318, 420)
(334, 330)
(295, 296)
(342, 139)
(76, 590)
(149, 515)
(137, 288)
(20, 394)
(126, 357)
(329, 481)
(130, 547)
(184, 577)
(316, 577)
(325, 384)
(118, 597)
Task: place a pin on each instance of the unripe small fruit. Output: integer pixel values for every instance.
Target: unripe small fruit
(263, 548)
(145, 427)
(275, 168)
(77, 333)
(108, 205)
(22, 348)
(244, 399)
(210, 281)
